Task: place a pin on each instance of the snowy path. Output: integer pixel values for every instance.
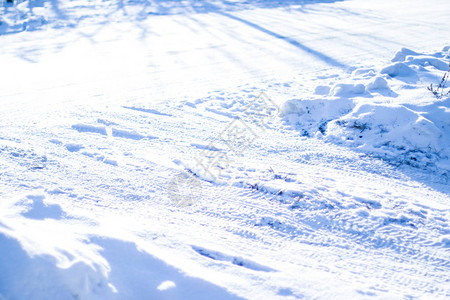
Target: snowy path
(99, 118)
(188, 55)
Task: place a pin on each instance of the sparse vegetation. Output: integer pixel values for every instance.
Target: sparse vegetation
(440, 90)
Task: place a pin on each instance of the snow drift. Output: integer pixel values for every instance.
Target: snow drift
(387, 113)
(48, 254)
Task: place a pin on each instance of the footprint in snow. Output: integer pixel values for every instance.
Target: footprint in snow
(89, 128)
(235, 260)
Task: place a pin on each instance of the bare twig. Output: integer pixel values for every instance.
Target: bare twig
(439, 91)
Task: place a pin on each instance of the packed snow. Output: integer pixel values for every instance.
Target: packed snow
(224, 149)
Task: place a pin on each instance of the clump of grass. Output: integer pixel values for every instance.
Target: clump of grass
(439, 91)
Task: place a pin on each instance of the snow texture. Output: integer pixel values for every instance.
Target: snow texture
(245, 149)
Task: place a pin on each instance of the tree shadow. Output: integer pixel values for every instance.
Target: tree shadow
(137, 12)
(164, 7)
(139, 9)
(319, 55)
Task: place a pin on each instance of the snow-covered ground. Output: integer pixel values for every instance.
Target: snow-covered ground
(224, 149)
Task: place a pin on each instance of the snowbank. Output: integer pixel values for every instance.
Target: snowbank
(313, 115)
(387, 113)
(44, 258)
(392, 131)
(47, 254)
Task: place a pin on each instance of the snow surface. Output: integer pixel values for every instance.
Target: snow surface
(338, 187)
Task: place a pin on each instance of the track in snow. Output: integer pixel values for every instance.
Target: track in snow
(293, 217)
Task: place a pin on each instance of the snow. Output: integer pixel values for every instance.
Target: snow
(410, 132)
(224, 149)
(52, 260)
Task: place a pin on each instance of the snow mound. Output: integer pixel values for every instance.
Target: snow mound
(428, 61)
(393, 131)
(346, 89)
(388, 113)
(401, 55)
(322, 90)
(406, 57)
(377, 83)
(315, 114)
(43, 261)
(47, 254)
(398, 69)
